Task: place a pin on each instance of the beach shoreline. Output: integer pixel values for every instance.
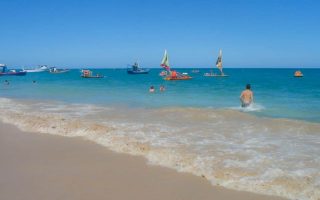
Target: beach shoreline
(40, 166)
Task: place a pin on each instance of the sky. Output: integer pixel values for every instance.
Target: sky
(114, 33)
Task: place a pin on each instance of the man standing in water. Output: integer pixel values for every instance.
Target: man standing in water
(246, 96)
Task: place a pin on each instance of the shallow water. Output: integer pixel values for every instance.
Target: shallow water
(277, 92)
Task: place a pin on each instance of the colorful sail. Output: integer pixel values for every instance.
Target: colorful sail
(219, 61)
(165, 61)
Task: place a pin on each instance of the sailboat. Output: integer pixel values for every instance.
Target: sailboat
(172, 75)
(219, 66)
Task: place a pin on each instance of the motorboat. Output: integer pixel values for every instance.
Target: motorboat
(40, 68)
(13, 72)
(135, 69)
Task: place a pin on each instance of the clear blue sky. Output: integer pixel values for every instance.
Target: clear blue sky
(113, 33)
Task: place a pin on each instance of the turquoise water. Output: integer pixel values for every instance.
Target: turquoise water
(277, 93)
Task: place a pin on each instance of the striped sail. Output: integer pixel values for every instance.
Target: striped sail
(165, 61)
(219, 61)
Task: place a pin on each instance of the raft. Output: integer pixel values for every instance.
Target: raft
(215, 75)
(92, 76)
(169, 78)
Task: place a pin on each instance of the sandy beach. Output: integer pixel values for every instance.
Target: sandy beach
(39, 166)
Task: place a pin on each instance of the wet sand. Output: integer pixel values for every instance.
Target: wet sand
(38, 166)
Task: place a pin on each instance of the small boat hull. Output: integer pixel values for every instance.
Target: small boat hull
(13, 73)
(138, 72)
(58, 72)
(168, 78)
(215, 75)
(92, 76)
(34, 70)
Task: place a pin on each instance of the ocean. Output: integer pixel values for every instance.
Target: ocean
(196, 126)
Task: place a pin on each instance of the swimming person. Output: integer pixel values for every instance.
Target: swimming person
(162, 88)
(151, 90)
(246, 96)
(173, 74)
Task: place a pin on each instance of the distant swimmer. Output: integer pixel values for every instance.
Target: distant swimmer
(246, 96)
(6, 82)
(152, 90)
(162, 88)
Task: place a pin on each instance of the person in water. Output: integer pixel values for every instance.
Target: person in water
(173, 74)
(246, 96)
(151, 90)
(6, 82)
(162, 88)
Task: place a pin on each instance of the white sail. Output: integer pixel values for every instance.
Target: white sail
(165, 61)
(219, 61)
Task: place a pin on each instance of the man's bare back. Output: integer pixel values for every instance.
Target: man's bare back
(246, 97)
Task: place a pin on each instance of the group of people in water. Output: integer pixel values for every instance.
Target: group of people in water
(246, 97)
(152, 89)
(6, 82)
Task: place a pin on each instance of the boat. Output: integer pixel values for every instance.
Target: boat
(5, 72)
(172, 75)
(40, 68)
(135, 69)
(54, 70)
(178, 78)
(219, 66)
(88, 74)
(298, 74)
